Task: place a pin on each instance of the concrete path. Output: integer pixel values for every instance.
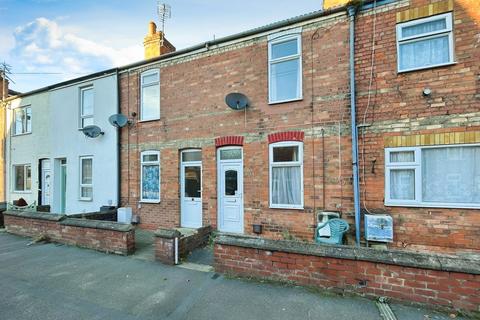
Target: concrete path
(49, 281)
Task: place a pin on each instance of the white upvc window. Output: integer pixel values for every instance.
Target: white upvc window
(22, 118)
(286, 175)
(285, 66)
(150, 176)
(433, 176)
(150, 95)
(86, 106)
(86, 178)
(22, 178)
(425, 43)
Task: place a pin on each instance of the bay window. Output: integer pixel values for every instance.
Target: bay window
(439, 176)
(150, 179)
(286, 175)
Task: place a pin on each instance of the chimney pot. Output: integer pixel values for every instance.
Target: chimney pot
(152, 28)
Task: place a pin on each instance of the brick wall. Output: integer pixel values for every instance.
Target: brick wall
(408, 277)
(194, 114)
(99, 235)
(398, 108)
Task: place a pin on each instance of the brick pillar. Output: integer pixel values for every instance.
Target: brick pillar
(165, 249)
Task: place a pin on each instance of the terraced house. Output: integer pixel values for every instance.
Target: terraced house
(188, 160)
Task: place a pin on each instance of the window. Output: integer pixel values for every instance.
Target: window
(86, 106)
(150, 181)
(425, 43)
(150, 95)
(86, 178)
(286, 175)
(285, 66)
(22, 178)
(23, 120)
(440, 176)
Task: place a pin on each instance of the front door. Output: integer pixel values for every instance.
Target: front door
(46, 183)
(191, 189)
(230, 190)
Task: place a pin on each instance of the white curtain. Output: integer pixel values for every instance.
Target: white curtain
(425, 27)
(424, 53)
(451, 175)
(402, 184)
(402, 156)
(286, 185)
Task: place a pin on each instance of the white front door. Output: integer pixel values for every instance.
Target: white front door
(230, 190)
(191, 189)
(46, 183)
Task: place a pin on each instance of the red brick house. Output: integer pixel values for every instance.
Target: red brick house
(188, 160)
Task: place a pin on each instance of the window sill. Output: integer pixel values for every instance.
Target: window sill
(427, 67)
(148, 120)
(21, 134)
(86, 199)
(149, 201)
(286, 207)
(22, 192)
(285, 101)
(433, 205)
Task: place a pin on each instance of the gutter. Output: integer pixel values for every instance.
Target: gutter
(352, 10)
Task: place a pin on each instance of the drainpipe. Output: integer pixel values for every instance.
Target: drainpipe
(352, 10)
(119, 130)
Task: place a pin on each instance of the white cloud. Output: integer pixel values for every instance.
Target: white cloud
(44, 46)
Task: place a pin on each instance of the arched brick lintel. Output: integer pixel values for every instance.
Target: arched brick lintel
(286, 136)
(229, 141)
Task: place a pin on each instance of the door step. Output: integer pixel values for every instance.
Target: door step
(196, 267)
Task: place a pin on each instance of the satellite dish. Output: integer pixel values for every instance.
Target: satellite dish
(118, 120)
(236, 101)
(92, 131)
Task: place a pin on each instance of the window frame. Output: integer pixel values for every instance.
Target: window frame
(14, 121)
(280, 38)
(85, 185)
(82, 115)
(425, 36)
(417, 165)
(14, 178)
(142, 86)
(142, 163)
(272, 164)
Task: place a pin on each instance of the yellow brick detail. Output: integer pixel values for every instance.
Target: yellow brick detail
(432, 139)
(425, 11)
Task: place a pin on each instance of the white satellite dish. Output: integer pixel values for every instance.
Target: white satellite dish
(118, 120)
(92, 131)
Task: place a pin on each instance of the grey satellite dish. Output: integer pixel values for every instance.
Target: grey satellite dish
(92, 131)
(236, 101)
(118, 120)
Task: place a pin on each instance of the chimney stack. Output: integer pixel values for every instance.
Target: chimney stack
(155, 43)
(328, 4)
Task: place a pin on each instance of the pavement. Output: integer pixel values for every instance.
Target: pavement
(51, 281)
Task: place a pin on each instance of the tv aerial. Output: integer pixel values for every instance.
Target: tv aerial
(92, 131)
(164, 12)
(118, 120)
(236, 101)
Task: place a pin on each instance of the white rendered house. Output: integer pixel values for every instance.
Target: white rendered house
(49, 159)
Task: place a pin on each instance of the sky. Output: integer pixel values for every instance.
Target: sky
(49, 41)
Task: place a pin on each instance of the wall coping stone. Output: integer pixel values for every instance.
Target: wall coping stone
(167, 233)
(97, 224)
(35, 215)
(449, 263)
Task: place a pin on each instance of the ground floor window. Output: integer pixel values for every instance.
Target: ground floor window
(150, 182)
(286, 175)
(86, 178)
(22, 177)
(440, 176)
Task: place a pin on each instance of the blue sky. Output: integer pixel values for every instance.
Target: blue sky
(73, 37)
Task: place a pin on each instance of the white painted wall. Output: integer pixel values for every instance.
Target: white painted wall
(55, 135)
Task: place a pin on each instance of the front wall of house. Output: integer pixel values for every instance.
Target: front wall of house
(399, 115)
(194, 113)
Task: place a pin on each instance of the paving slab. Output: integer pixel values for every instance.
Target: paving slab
(49, 281)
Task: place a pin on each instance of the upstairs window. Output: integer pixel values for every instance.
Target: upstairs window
(425, 43)
(286, 175)
(86, 107)
(22, 178)
(150, 181)
(440, 176)
(150, 95)
(285, 67)
(23, 120)
(86, 178)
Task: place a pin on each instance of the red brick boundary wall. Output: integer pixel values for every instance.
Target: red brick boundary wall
(449, 282)
(106, 236)
(169, 252)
